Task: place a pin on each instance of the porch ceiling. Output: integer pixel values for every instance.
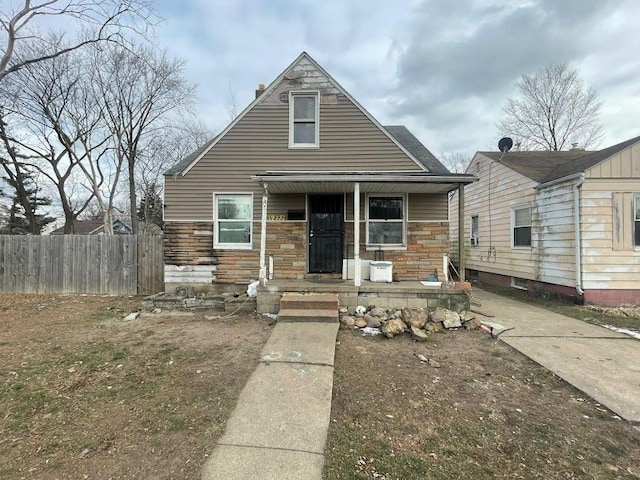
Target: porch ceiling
(378, 182)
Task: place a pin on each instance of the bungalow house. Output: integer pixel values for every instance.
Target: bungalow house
(305, 183)
(567, 223)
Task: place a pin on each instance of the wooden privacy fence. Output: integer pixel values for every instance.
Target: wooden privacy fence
(105, 264)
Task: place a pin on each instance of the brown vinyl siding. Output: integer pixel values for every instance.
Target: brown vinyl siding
(349, 141)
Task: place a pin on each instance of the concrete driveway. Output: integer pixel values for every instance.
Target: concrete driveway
(603, 364)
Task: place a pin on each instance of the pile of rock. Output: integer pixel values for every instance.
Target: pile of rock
(416, 321)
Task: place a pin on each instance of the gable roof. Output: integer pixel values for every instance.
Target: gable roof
(182, 167)
(546, 166)
(536, 165)
(417, 149)
(183, 164)
(589, 160)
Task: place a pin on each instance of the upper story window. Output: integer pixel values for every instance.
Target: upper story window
(521, 222)
(636, 220)
(385, 220)
(303, 120)
(233, 222)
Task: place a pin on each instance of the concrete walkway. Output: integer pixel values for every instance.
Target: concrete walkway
(279, 427)
(603, 364)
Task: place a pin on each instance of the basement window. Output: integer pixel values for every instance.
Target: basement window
(303, 120)
(233, 221)
(520, 283)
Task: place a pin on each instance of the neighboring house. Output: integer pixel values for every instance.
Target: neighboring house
(273, 194)
(95, 227)
(562, 222)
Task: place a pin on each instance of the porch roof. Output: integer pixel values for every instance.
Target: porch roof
(370, 182)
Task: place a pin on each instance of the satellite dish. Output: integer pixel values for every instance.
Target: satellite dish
(505, 144)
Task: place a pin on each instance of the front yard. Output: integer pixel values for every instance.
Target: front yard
(85, 395)
(476, 410)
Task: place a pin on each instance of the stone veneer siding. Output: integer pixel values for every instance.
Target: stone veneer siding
(192, 244)
(426, 244)
(286, 242)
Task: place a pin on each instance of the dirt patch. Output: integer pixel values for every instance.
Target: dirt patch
(475, 409)
(85, 395)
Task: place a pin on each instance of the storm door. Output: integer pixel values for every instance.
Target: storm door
(326, 233)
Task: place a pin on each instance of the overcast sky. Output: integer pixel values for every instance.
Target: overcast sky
(443, 68)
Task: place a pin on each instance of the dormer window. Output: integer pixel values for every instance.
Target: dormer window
(303, 120)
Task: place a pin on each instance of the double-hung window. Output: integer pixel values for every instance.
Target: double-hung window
(303, 120)
(385, 220)
(233, 222)
(475, 227)
(521, 222)
(636, 221)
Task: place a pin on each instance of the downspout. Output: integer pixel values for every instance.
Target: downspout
(578, 237)
(263, 237)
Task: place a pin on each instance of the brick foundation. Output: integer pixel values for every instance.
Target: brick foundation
(612, 298)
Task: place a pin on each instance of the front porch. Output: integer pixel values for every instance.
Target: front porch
(410, 294)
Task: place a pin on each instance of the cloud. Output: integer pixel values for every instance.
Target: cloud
(463, 58)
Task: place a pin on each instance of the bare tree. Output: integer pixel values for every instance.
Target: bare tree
(456, 162)
(554, 111)
(169, 145)
(140, 91)
(51, 137)
(22, 21)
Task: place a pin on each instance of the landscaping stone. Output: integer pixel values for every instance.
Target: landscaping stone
(415, 317)
(372, 321)
(449, 318)
(377, 312)
(348, 320)
(360, 311)
(433, 327)
(419, 335)
(393, 327)
(360, 323)
(131, 317)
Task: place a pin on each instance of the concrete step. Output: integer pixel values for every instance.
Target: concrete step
(307, 315)
(309, 302)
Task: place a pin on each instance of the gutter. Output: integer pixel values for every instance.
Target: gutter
(578, 238)
(573, 176)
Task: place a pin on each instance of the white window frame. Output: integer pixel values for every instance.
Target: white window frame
(387, 246)
(304, 93)
(231, 246)
(636, 219)
(514, 226)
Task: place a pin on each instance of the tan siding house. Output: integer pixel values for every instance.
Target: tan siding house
(275, 194)
(584, 222)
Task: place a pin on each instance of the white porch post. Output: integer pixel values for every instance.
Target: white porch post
(263, 238)
(356, 235)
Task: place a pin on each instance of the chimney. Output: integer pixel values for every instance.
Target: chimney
(260, 90)
(574, 146)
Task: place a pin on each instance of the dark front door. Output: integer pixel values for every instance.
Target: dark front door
(326, 233)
